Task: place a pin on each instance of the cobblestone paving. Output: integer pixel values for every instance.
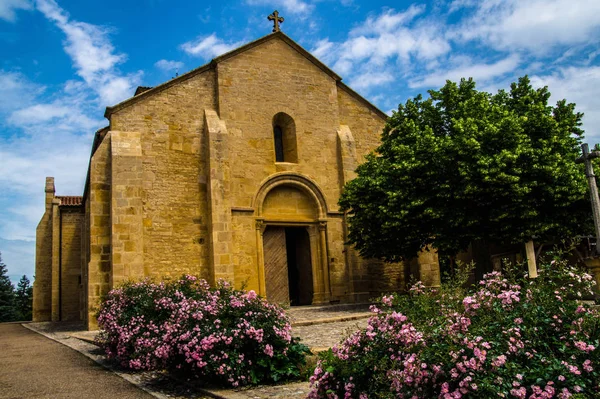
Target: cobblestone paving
(324, 336)
(319, 327)
(314, 313)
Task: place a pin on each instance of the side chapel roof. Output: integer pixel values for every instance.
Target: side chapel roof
(69, 200)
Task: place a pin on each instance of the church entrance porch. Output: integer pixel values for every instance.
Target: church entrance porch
(291, 241)
(288, 265)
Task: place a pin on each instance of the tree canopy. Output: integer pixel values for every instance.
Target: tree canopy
(15, 305)
(7, 295)
(464, 165)
(24, 299)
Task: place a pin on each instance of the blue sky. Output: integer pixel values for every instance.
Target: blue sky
(63, 62)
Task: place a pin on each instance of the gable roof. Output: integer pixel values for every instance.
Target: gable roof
(147, 91)
(287, 40)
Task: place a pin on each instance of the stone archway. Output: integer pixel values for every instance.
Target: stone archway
(292, 241)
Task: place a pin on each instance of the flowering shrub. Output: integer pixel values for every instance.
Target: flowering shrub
(232, 337)
(508, 337)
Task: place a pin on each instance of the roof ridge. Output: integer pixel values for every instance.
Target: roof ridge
(212, 64)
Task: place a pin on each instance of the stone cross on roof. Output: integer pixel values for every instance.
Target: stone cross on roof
(276, 20)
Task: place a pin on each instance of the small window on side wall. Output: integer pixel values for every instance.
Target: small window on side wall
(284, 138)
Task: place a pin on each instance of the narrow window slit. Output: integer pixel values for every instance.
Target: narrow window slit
(278, 144)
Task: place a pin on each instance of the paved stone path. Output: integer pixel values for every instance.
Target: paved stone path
(319, 327)
(32, 366)
(322, 327)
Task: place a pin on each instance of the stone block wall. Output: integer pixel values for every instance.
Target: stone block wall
(42, 285)
(281, 84)
(245, 245)
(425, 267)
(71, 220)
(178, 181)
(56, 288)
(218, 166)
(126, 210)
(55, 260)
(99, 265)
(365, 123)
(289, 203)
(85, 260)
(384, 277)
(257, 85)
(174, 177)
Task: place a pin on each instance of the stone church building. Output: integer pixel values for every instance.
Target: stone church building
(230, 171)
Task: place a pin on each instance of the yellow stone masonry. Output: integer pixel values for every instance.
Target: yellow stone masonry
(186, 179)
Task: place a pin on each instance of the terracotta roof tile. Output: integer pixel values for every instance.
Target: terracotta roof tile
(69, 200)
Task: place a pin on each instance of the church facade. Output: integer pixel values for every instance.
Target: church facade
(230, 171)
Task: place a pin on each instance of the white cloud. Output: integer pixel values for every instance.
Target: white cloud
(388, 21)
(16, 90)
(533, 25)
(50, 134)
(496, 40)
(384, 45)
(344, 67)
(578, 85)
(54, 139)
(45, 150)
(167, 65)
(323, 50)
(87, 44)
(457, 5)
(118, 88)
(394, 35)
(60, 114)
(8, 8)
(38, 113)
(93, 55)
(208, 46)
(298, 7)
(479, 72)
(28, 160)
(371, 79)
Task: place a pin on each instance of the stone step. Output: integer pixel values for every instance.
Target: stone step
(325, 320)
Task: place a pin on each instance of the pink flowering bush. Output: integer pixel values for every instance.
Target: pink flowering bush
(508, 337)
(220, 335)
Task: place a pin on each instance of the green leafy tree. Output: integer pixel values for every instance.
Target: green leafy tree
(24, 298)
(467, 165)
(7, 295)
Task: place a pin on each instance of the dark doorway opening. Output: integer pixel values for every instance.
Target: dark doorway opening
(299, 266)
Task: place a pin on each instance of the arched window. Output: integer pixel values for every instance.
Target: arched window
(278, 136)
(284, 138)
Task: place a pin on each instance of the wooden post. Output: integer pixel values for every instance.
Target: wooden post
(589, 173)
(531, 265)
